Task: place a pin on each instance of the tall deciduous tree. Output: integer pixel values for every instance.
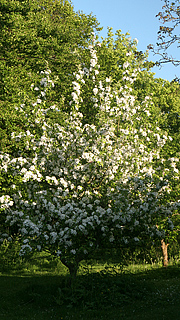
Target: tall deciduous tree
(31, 33)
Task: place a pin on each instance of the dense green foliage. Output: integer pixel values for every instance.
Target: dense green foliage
(32, 34)
(36, 36)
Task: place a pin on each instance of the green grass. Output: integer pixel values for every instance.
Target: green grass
(40, 290)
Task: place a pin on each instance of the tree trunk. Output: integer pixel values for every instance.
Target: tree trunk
(73, 268)
(164, 248)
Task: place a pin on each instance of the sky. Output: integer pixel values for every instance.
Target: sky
(138, 17)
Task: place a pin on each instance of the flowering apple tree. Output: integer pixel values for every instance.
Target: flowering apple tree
(84, 186)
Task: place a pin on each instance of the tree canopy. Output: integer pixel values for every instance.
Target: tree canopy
(34, 32)
(35, 36)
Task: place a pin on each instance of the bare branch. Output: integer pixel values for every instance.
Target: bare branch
(168, 33)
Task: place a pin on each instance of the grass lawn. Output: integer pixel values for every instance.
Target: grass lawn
(40, 290)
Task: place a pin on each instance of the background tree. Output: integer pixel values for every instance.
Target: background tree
(32, 33)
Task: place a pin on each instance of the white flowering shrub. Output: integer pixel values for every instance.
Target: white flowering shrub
(86, 186)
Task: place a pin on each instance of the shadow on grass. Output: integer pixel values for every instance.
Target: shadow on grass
(148, 294)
